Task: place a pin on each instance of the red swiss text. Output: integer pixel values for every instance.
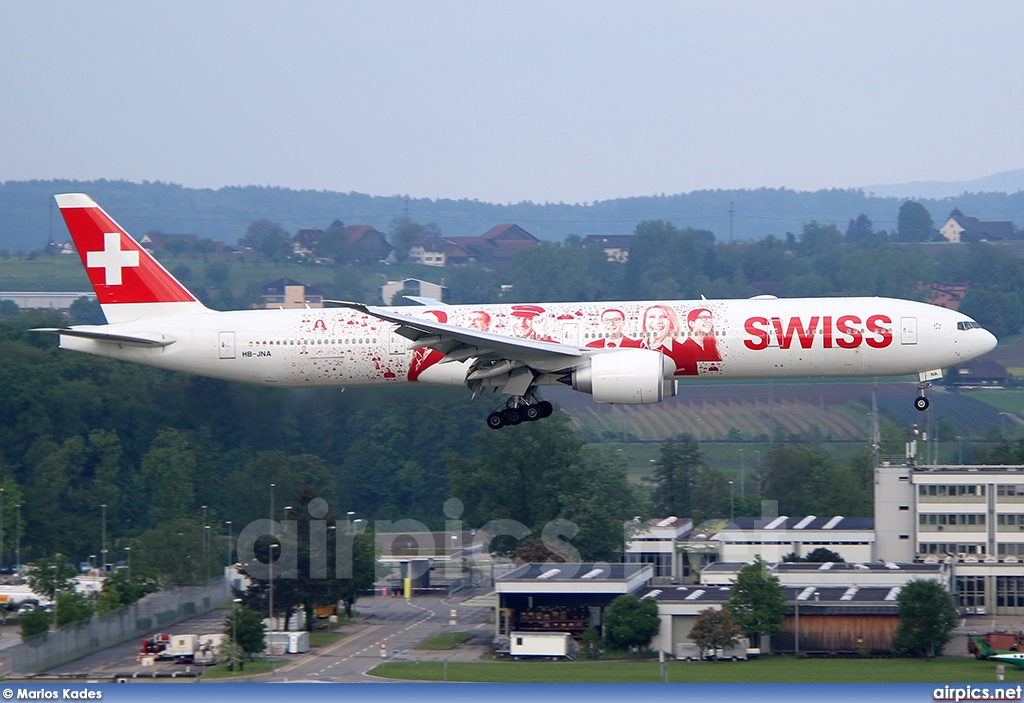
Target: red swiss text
(843, 332)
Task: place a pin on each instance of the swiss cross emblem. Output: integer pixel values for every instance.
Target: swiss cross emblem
(112, 259)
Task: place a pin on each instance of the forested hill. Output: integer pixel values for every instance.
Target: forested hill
(28, 216)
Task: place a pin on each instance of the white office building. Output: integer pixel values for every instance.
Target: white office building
(971, 516)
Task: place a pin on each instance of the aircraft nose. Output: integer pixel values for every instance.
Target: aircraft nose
(988, 342)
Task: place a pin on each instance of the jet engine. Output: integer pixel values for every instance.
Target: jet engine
(627, 376)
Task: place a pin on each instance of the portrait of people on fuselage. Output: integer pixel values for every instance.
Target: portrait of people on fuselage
(661, 332)
(700, 344)
(527, 322)
(480, 320)
(613, 322)
(423, 359)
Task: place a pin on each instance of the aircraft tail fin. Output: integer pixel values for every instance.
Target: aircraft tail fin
(129, 283)
(982, 647)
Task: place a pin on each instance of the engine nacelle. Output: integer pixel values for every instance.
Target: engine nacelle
(627, 376)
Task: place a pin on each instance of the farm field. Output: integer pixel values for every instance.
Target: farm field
(765, 670)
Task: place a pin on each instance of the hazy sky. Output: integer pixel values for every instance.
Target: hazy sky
(544, 101)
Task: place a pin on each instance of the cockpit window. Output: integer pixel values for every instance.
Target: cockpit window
(968, 325)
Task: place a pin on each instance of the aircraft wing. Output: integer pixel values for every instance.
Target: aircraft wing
(100, 334)
(459, 343)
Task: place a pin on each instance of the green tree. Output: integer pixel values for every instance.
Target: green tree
(631, 622)
(34, 622)
(861, 232)
(1001, 313)
(714, 629)
(244, 627)
(50, 576)
(405, 232)
(757, 602)
(914, 223)
(590, 644)
(72, 607)
(268, 239)
(539, 473)
(675, 475)
(927, 616)
(109, 600)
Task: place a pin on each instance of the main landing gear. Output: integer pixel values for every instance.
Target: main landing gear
(518, 410)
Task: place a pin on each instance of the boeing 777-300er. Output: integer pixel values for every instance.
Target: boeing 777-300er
(622, 352)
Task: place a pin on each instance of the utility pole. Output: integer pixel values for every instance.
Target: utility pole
(731, 213)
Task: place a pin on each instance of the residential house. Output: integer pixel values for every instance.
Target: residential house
(614, 246)
(499, 243)
(945, 295)
(960, 228)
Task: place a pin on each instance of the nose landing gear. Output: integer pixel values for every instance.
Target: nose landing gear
(923, 384)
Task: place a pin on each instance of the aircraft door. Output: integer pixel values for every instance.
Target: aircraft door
(397, 344)
(571, 334)
(908, 330)
(227, 345)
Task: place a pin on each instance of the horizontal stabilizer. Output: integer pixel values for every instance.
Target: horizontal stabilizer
(100, 335)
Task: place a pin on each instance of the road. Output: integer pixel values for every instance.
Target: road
(399, 623)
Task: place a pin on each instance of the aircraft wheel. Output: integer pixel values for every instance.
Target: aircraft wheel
(513, 416)
(921, 403)
(546, 408)
(531, 413)
(495, 421)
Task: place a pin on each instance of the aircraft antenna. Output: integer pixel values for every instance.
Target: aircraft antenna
(731, 213)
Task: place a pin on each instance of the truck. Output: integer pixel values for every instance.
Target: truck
(181, 648)
(555, 645)
(206, 649)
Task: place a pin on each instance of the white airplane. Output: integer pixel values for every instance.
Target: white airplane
(622, 352)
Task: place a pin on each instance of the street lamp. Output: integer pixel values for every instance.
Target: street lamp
(284, 516)
(732, 510)
(348, 520)
(103, 545)
(270, 557)
(742, 481)
(207, 543)
(228, 522)
(234, 636)
(206, 550)
(17, 535)
(129, 561)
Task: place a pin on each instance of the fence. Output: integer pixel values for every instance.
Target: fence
(154, 612)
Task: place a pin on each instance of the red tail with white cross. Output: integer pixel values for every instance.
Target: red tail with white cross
(129, 283)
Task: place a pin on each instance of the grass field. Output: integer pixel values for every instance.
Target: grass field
(446, 640)
(1009, 401)
(764, 670)
(320, 638)
(253, 667)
